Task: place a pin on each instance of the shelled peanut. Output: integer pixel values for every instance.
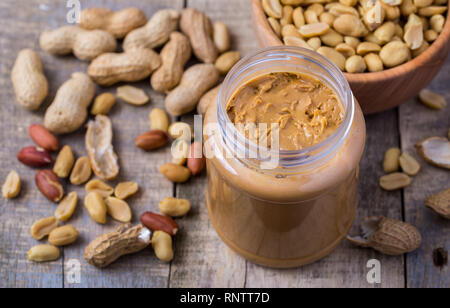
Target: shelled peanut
(103, 104)
(66, 207)
(132, 95)
(99, 187)
(12, 185)
(81, 171)
(63, 236)
(362, 35)
(174, 207)
(100, 201)
(64, 162)
(152, 140)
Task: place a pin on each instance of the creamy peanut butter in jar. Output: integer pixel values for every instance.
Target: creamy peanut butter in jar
(283, 147)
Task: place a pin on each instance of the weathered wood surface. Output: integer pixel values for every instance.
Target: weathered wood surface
(201, 259)
(140, 270)
(418, 122)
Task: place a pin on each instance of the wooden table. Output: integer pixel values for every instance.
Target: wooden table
(201, 259)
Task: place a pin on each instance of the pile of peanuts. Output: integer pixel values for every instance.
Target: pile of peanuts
(178, 37)
(359, 35)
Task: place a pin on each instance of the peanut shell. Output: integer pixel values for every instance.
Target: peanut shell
(436, 151)
(104, 160)
(107, 248)
(388, 236)
(440, 203)
(391, 160)
(64, 162)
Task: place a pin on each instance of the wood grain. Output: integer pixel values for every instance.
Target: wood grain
(323, 273)
(16, 216)
(418, 122)
(141, 270)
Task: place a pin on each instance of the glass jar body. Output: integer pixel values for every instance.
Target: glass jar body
(283, 220)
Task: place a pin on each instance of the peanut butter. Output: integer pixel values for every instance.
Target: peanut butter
(306, 110)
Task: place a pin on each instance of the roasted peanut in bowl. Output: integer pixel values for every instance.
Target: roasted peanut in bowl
(388, 49)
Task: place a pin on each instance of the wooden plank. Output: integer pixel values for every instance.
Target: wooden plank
(206, 262)
(141, 270)
(418, 122)
(201, 258)
(21, 19)
(346, 267)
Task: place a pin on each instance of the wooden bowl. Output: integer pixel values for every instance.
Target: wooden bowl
(382, 90)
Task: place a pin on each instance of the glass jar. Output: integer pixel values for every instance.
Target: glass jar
(301, 210)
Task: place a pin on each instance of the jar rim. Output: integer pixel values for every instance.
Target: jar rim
(289, 159)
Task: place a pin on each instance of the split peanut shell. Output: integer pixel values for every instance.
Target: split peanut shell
(104, 160)
(96, 207)
(388, 236)
(81, 172)
(436, 151)
(63, 236)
